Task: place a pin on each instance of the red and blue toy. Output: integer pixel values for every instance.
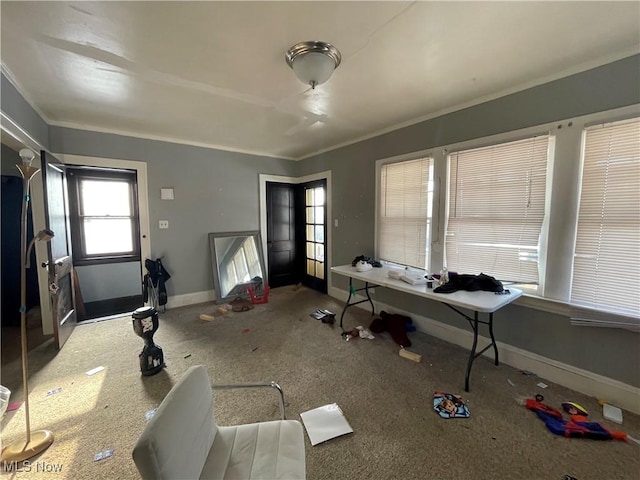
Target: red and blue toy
(577, 427)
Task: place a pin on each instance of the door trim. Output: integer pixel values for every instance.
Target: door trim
(143, 192)
(264, 178)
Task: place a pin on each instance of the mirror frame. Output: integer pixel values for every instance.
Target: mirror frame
(215, 263)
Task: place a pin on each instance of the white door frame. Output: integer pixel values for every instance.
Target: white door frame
(143, 192)
(143, 207)
(37, 218)
(264, 178)
(37, 206)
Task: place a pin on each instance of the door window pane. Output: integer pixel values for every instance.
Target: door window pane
(103, 215)
(320, 270)
(319, 196)
(107, 235)
(314, 214)
(104, 198)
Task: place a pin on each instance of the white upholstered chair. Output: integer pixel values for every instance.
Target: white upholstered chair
(183, 441)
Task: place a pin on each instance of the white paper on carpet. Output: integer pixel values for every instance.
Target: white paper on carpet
(324, 423)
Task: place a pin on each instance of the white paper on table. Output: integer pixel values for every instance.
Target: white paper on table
(324, 423)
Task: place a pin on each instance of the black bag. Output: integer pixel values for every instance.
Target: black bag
(471, 283)
(158, 276)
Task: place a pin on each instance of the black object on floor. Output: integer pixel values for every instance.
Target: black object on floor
(393, 323)
(145, 324)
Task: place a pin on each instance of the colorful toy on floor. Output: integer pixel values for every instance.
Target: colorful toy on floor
(449, 406)
(572, 408)
(577, 427)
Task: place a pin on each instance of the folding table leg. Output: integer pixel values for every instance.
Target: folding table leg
(472, 354)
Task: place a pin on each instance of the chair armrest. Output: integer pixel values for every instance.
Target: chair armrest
(256, 385)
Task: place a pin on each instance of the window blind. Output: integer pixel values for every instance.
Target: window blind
(496, 209)
(606, 266)
(406, 195)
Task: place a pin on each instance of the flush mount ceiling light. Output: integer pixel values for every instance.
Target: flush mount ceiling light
(313, 62)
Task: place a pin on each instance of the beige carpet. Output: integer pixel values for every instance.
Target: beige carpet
(386, 399)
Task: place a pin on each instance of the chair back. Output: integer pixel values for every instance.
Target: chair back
(176, 441)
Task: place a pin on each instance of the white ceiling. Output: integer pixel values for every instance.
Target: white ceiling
(214, 74)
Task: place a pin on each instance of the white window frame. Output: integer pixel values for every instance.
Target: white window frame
(561, 204)
(498, 251)
(608, 288)
(430, 215)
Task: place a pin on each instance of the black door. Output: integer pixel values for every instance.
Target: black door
(281, 244)
(311, 221)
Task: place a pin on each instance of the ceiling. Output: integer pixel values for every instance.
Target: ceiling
(214, 74)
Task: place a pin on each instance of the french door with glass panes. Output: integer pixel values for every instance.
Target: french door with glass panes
(315, 228)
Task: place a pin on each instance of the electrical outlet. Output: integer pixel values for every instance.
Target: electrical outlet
(163, 224)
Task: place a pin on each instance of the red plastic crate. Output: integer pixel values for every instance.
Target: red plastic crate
(264, 298)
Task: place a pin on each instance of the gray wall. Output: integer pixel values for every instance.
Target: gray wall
(18, 109)
(215, 191)
(111, 280)
(610, 352)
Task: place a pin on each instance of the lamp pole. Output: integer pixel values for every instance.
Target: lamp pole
(22, 450)
(27, 172)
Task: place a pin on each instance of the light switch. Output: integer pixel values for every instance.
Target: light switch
(335, 222)
(163, 224)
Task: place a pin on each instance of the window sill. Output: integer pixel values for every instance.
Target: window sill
(536, 302)
(105, 260)
(565, 309)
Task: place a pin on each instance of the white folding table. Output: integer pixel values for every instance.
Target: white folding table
(478, 302)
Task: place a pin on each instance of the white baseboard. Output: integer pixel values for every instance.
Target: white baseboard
(613, 391)
(191, 298)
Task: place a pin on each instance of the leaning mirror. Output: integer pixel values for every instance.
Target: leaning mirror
(237, 263)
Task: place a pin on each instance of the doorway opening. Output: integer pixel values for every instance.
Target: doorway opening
(112, 287)
(295, 230)
(105, 234)
(12, 199)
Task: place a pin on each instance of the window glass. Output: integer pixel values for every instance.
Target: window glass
(107, 235)
(103, 215)
(105, 198)
(406, 194)
(606, 267)
(496, 207)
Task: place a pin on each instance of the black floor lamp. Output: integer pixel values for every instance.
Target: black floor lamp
(38, 441)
